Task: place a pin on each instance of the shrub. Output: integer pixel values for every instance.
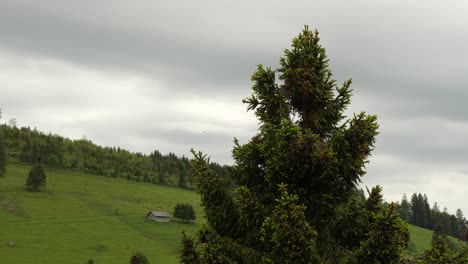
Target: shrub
(184, 212)
(139, 258)
(36, 179)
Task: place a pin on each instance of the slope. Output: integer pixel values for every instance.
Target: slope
(80, 216)
(421, 240)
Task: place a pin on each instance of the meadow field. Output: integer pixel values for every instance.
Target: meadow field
(421, 240)
(80, 217)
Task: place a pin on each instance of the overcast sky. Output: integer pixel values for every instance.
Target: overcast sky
(171, 75)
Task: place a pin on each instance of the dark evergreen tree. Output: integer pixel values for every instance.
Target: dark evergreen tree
(187, 252)
(37, 178)
(139, 258)
(295, 180)
(455, 227)
(462, 223)
(427, 212)
(419, 210)
(182, 180)
(404, 209)
(184, 212)
(3, 157)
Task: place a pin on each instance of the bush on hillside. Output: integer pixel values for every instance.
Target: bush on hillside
(37, 179)
(184, 212)
(139, 258)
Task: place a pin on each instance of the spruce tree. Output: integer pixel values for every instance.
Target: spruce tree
(404, 209)
(182, 183)
(440, 251)
(37, 178)
(187, 250)
(296, 179)
(427, 212)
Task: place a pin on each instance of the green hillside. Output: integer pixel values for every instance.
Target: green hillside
(421, 240)
(82, 216)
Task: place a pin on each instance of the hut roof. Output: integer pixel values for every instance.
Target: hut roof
(159, 214)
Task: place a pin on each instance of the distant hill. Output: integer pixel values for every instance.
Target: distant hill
(30, 145)
(81, 216)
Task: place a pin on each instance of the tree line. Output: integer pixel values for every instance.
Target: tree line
(32, 146)
(417, 211)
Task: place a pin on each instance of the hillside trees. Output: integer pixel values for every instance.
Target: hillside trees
(420, 214)
(37, 178)
(3, 157)
(31, 146)
(420, 211)
(295, 181)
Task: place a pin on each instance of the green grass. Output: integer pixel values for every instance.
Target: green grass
(421, 240)
(80, 216)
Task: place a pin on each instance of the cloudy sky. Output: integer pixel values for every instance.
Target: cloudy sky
(170, 75)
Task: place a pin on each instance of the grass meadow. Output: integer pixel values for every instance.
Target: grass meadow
(421, 240)
(80, 217)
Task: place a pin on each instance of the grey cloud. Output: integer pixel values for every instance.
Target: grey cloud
(407, 61)
(159, 54)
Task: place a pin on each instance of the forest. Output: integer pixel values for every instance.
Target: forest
(32, 146)
(418, 212)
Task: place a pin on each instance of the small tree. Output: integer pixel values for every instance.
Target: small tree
(440, 251)
(139, 258)
(184, 212)
(2, 157)
(36, 179)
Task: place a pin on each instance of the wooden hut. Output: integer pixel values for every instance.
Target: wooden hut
(158, 216)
